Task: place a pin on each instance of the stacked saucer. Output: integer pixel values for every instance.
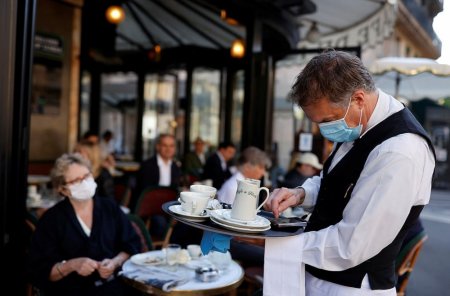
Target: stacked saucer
(177, 210)
(223, 218)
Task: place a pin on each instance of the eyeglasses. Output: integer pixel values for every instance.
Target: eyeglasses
(78, 180)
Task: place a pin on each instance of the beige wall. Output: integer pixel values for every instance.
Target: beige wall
(53, 134)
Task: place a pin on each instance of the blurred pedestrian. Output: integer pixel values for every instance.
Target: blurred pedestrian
(306, 165)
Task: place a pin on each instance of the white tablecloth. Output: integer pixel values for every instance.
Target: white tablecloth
(231, 275)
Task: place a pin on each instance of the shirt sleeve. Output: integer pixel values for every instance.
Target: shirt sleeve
(311, 187)
(397, 176)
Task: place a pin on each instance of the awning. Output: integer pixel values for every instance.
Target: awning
(348, 23)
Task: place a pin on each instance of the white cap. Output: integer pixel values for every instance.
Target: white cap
(311, 159)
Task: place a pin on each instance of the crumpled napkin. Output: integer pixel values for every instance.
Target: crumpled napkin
(214, 204)
(215, 242)
(164, 280)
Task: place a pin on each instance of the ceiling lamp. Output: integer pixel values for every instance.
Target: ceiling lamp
(313, 34)
(155, 53)
(115, 14)
(238, 49)
(227, 18)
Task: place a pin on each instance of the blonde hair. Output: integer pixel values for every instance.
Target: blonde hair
(61, 166)
(91, 152)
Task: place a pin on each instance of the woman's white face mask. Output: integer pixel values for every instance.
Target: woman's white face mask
(83, 190)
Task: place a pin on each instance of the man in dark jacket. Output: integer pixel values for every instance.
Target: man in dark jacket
(159, 170)
(216, 166)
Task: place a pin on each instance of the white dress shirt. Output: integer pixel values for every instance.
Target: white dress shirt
(227, 192)
(397, 175)
(164, 171)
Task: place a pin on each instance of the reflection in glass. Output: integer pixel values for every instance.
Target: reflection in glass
(205, 105)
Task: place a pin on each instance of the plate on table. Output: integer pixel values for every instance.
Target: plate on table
(149, 259)
(239, 228)
(177, 210)
(224, 216)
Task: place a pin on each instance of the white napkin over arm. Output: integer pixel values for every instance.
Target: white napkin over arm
(284, 271)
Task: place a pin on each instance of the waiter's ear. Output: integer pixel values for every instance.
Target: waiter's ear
(359, 98)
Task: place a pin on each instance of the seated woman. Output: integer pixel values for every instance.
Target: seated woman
(101, 173)
(80, 244)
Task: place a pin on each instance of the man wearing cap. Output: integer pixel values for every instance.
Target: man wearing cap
(307, 165)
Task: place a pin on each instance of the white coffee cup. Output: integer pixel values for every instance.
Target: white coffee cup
(193, 202)
(32, 189)
(245, 205)
(209, 190)
(194, 251)
(219, 259)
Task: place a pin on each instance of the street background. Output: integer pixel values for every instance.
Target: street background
(431, 275)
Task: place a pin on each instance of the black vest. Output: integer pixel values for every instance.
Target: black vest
(336, 190)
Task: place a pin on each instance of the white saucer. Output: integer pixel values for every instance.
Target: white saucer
(239, 228)
(148, 259)
(224, 216)
(176, 209)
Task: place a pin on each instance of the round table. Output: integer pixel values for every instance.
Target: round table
(228, 281)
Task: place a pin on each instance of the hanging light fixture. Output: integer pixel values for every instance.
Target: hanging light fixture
(155, 53)
(227, 18)
(313, 34)
(115, 14)
(237, 49)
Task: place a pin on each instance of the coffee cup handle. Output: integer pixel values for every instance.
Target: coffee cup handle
(267, 196)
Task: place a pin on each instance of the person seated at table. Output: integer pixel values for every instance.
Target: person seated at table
(102, 175)
(91, 136)
(194, 161)
(80, 244)
(160, 170)
(306, 165)
(252, 163)
(107, 150)
(216, 167)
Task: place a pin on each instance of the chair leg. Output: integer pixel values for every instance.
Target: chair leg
(169, 232)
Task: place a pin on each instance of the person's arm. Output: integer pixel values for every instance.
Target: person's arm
(83, 266)
(282, 198)
(395, 178)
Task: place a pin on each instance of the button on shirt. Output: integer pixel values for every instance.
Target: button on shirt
(164, 171)
(397, 176)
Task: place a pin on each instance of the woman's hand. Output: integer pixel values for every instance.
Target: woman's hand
(282, 198)
(84, 266)
(106, 268)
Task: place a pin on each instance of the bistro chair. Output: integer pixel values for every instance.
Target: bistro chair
(150, 204)
(142, 231)
(406, 260)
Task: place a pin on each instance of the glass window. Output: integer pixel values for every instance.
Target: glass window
(205, 111)
(118, 110)
(85, 94)
(159, 110)
(238, 107)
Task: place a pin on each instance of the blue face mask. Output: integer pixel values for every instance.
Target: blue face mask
(339, 131)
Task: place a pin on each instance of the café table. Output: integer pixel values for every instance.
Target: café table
(141, 277)
(38, 206)
(38, 179)
(127, 166)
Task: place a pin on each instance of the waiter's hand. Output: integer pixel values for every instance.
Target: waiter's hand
(282, 198)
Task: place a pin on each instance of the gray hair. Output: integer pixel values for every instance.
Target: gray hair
(333, 75)
(61, 166)
(254, 156)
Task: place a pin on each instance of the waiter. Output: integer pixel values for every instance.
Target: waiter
(372, 187)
